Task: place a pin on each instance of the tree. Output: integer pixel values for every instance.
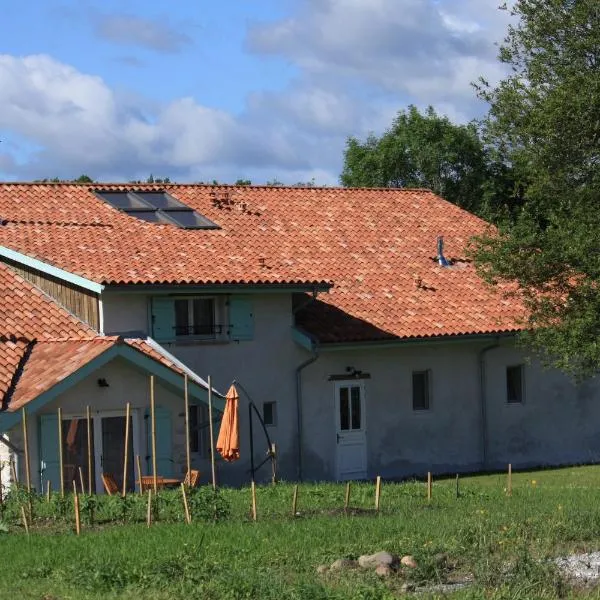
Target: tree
(544, 125)
(421, 150)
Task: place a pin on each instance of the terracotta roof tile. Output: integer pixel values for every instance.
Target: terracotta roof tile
(375, 245)
(41, 343)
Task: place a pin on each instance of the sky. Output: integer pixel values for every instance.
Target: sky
(201, 90)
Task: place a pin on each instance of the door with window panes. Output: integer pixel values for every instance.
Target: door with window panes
(351, 433)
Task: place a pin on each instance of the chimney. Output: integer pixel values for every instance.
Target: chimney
(440, 252)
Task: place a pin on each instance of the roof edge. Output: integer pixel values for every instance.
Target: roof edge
(408, 341)
(48, 269)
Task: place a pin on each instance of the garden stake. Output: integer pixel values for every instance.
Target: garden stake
(149, 512)
(13, 471)
(253, 491)
(60, 454)
(153, 429)
(273, 464)
(24, 519)
(212, 436)
(377, 492)
(347, 498)
(429, 490)
(295, 501)
(126, 451)
(188, 516)
(509, 485)
(88, 418)
(27, 465)
(457, 490)
(139, 470)
(188, 458)
(1, 469)
(76, 506)
(48, 490)
(81, 480)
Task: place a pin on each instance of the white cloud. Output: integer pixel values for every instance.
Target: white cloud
(358, 62)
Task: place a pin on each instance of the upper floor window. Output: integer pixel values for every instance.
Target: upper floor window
(514, 384)
(421, 382)
(196, 317)
(187, 318)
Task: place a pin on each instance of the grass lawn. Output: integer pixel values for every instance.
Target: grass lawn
(500, 541)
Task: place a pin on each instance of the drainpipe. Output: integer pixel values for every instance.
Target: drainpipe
(299, 369)
(483, 401)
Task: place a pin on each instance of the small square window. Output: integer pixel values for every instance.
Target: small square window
(514, 384)
(420, 390)
(270, 413)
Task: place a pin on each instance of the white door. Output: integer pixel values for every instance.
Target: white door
(109, 446)
(351, 434)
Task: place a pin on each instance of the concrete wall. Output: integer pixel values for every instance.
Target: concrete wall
(558, 423)
(265, 367)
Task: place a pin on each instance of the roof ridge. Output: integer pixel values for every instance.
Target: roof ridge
(100, 184)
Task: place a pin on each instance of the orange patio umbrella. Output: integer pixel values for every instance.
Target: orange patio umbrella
(228, 442)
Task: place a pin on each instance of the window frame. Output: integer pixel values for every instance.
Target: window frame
(274, 415)
(200, 434)
(521, 399)
(427, 387)
(218, 313)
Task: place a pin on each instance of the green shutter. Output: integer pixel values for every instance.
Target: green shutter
(241, 318)
(163, 319)
(49, 461)
(164, 441)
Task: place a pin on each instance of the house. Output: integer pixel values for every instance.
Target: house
(350, 317)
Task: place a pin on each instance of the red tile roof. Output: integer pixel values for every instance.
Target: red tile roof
(376, 246)
(41, 343)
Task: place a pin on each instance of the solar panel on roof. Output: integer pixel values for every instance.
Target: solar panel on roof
(156, 207)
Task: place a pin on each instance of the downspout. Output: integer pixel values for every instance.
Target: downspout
(483, 401)
(299, 369)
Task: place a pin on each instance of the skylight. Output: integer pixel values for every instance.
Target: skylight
(156, 207)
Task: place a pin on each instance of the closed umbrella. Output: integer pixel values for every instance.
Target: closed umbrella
(228, 442)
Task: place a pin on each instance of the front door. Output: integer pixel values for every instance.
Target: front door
(351, 436)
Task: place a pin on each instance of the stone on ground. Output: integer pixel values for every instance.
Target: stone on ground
(370, 561)
(343, 563)
(408, 561)
(322, 569)
(383, 570)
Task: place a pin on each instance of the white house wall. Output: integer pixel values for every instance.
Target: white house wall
(558, 423)
(264, 366)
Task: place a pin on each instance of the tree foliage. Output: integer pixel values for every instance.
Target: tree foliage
(544, 125)
(421, 150)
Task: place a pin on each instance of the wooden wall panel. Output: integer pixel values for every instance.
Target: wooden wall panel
(82, 303)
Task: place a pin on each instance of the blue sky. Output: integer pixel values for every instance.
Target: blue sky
(198, 90)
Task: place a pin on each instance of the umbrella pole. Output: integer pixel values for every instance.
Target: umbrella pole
(251, 440)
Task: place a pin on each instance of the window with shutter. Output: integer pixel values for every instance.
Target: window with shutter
(241, 318)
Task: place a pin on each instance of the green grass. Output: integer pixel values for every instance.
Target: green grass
(501, 541)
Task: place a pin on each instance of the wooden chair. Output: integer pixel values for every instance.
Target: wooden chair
(147, 482)
(110, 485)
(192, 478)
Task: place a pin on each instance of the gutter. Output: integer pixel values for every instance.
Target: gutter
(483, 400)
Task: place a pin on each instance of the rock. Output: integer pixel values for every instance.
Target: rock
(370, 561)
(408, 561)
(322, 569)
(383, 570)
(343, 563)
(405, 588)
